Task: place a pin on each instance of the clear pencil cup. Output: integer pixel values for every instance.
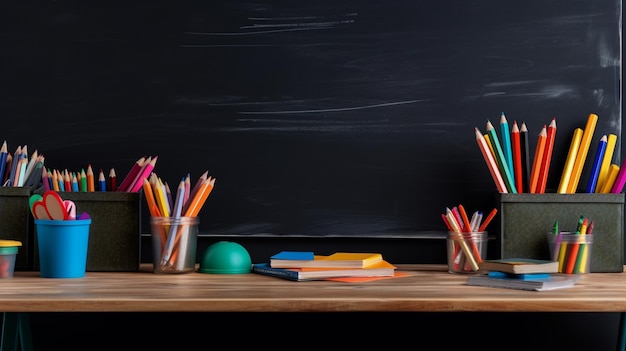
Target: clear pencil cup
(572, 251)
(465, 251)
(174, 244)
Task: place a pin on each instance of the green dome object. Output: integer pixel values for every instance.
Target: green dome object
(225, 257)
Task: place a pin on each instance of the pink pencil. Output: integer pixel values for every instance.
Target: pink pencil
(491, 162)
(618, 186)
(145, 172)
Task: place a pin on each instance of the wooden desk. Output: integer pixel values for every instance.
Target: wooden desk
(428, 288)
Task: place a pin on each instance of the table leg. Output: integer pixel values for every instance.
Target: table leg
(9, 331)
(16, 328)
(26, 340)
(621, 333)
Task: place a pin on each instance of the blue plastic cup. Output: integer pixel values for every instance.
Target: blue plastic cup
(62, 246)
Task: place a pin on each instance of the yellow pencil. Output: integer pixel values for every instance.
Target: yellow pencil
(610, 179)
(581, 155)
(571, 158)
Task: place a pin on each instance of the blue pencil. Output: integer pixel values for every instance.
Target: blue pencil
(597, 163)
(4, 151)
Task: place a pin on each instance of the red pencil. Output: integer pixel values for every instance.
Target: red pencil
(547, 156)
(124, 185)
(112, 180)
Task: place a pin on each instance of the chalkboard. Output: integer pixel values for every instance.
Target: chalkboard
(338, 118)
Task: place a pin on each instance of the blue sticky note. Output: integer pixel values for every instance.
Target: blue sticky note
(294, 255)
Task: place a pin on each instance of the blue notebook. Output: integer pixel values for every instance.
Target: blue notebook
(521, 276)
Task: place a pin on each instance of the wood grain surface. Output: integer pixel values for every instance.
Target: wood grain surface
(425, 288)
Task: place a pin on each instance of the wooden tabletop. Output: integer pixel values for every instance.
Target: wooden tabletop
(425, 288)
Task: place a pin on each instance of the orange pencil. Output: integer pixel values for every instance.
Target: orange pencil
(517, 157)
(200, 197)
(538, 159)
(573, 253)
(55, 180)
(547, 157)
(149, 195)
(582, 153)
(91, 186)
(485, 223)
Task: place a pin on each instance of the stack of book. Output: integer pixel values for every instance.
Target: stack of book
(304, 265)
(523, 274)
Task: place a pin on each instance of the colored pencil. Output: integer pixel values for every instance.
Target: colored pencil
(597, 163)
(145, 172)
(7, 170)
(468, 228)
(91, 186)
(606, 161)
(500, 159)
(17, 155)
(112, 180)
(487, 220)
(569, 162)
(526, 164)
(618, 186)
(506, 143)
(610, 179)
(466, 250)
(102, 181)
(581, 155)
(130, 176)
(547, 157)
(537, 160)
(517, 158)
(150, 199)
(4, 152)
(490, 161)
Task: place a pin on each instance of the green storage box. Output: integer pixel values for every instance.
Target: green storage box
(16, 223)
(115, 232)
(526, 218)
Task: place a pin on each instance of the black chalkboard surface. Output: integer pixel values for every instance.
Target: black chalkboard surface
(316, 118)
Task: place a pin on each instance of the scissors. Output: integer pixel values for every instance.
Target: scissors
(52, 207)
